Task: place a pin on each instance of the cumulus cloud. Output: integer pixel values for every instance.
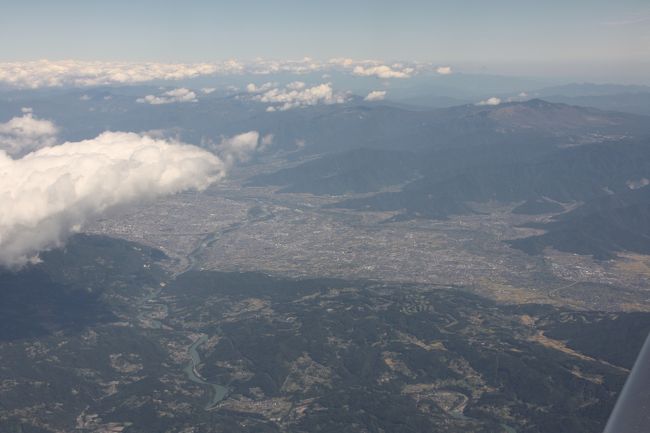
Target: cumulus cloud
(296, 85)
(375, 95)
(343, 62)
(383, 71)
(296, 95)
(239, 147)
(490, 101)
(444, 70)
(26, 133)
(254, 88)
(53, 191)
(176, 95)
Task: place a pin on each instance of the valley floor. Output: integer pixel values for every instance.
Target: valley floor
(235, 228)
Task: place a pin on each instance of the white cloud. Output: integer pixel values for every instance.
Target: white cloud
(21, 135)
(55, 190)
(231, 66)
(45, 73)
(375, 95)
(208, 90)
(177, 95)
(342, 61)
(253, 88)
(382, 71)
(309, 65)
(296, 85)
(239, 147)
(267, 140)
(490, 101)
(296, 95)
(298, 67)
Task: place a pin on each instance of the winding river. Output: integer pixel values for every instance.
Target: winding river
(218, 392)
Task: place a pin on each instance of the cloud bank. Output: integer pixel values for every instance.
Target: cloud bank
(53, 191)
(176, 95)
(298, 67)
(46, 73)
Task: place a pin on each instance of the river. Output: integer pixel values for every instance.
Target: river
(218, 392)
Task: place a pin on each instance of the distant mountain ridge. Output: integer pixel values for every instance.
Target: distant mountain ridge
(611, 97)
(591, 89)
(446, 142)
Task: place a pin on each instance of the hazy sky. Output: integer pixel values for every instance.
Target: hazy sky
(606, 37)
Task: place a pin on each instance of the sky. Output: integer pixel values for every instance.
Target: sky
(595, 38)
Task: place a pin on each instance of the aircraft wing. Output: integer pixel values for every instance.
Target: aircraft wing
(631, 413)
